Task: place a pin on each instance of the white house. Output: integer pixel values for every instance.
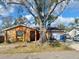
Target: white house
(56, 32)
(74, 32)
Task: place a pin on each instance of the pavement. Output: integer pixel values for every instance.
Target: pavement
(46, 55)
(73, 44)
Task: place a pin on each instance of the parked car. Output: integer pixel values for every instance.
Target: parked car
(76, 38)
(67, 36)
(63, 38)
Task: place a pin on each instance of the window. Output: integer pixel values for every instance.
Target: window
(20, 33)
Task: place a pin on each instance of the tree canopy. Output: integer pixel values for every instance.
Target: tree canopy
(43, 11)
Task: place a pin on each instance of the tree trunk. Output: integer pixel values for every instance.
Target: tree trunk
(43, 37)
(44, 34)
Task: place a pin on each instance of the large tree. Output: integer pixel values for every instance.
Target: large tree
(7, 22)
(76, 20)
(21, 20)
(44, 11)
(61, 26)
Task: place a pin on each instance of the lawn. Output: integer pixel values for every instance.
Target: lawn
(33, 48)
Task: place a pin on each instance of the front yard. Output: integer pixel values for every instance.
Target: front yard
(22, 47)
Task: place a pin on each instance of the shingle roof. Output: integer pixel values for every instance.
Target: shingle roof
(16, 26)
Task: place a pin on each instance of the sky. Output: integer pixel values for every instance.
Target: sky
(68, 15)
(72, 10)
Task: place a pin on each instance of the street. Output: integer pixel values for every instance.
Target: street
(46, 55)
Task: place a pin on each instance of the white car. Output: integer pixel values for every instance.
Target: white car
(76, 38)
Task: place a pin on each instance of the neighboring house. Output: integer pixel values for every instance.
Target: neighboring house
(20, 33)
(56, 32)
(74, 32)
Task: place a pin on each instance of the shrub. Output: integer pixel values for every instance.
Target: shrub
(54, 43)
(11, 40)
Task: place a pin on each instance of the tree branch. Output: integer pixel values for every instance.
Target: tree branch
(37, 8)
(31, 5)
(24, 6)
(51, 11)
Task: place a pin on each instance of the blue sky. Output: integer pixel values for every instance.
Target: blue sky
(70, 12)
(19, 12)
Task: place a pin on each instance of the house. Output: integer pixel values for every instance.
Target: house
(20, 33)
(74, 31)
(1, 37)
(56, 32)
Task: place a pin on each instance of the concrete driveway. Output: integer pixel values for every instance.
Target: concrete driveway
(74, 45)
(47, 55)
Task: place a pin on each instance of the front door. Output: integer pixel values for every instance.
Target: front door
(32, 35)
(20, 36)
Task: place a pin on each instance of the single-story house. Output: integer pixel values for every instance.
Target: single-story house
(20, 33)
(56, 32)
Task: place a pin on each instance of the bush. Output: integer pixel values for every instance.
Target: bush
(11, 40)
(1, 40)
(54, 43)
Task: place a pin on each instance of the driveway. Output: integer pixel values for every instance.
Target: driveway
(46, 55)
(75, 45)
(72, 44)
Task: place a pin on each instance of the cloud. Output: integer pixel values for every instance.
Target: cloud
(0, 22)
(6, 11)
(11, 9)
(28, 17)
(74, 4)
(62, 20)
(66, 20)
(1, 6)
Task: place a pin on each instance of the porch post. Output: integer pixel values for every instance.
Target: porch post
(35, 36)
(5, 37)
(24, 36)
